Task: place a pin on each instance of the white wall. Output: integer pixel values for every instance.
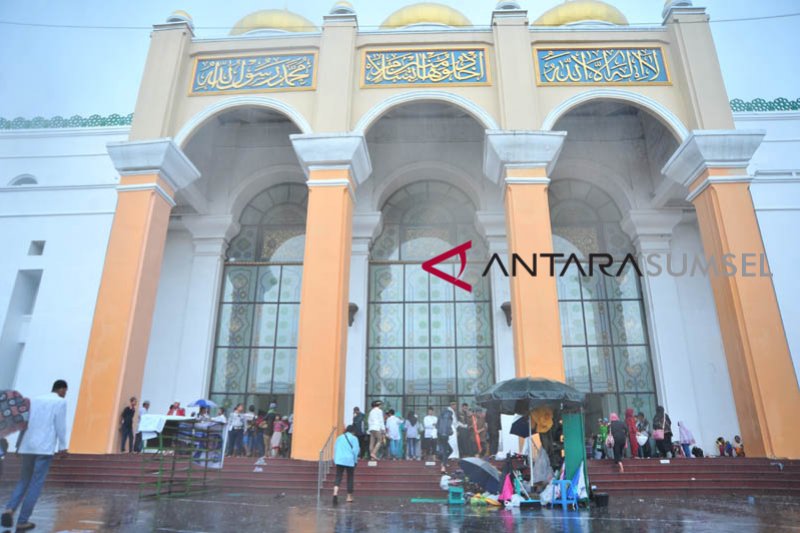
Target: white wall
(162, 370)
(71, 209)
(706, 379)
(776, 197)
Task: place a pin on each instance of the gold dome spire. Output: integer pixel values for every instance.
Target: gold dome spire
(425, 13)
(581, 10)
(273, 19)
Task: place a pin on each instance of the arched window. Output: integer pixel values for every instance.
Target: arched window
(429, 342)
(256, 343)
(603, 325)
(23, 180)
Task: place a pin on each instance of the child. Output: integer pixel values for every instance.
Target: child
(738, 446)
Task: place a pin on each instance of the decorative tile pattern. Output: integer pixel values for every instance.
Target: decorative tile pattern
(428, 343)
(260, 303)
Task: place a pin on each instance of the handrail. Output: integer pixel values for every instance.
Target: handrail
(325, 462)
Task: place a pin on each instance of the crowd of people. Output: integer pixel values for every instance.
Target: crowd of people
(259, 433)
(633, 437)
(250, 433)
(390, 436)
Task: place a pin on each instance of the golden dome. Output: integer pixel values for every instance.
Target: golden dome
(581, 10)
(182, 14)
(425, 13)
(273, 19)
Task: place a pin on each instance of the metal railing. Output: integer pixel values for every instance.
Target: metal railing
(325, 462)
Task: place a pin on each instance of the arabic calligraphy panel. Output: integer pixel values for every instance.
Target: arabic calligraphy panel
(601, 66)
(274, 72)
(400, 68)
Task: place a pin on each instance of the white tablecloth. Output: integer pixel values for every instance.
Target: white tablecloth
(151, 425)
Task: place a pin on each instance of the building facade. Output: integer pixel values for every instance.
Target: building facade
(257, 232)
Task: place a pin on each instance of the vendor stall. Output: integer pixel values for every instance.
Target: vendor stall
(553, 411)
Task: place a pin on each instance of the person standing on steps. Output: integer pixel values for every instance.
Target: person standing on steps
(429, 436)
(126, 425)
(662, 431)
(45, 436)
(377, 428)
(363, 437)
(444, 429)
(345, 457)
(143, 410)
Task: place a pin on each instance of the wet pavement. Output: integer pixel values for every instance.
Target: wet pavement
(103, 510)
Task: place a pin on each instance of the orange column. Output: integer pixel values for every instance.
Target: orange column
(332, 164)
(762, 375)
(523, 159)
(535, 318)
(120, 332)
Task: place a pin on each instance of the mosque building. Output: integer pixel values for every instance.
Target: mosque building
(256, 232)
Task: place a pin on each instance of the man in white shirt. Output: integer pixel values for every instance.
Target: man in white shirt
(429, 436)
(46, 435)
(377, 427)
(143, 410)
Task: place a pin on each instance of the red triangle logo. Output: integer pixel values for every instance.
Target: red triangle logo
(461, 252)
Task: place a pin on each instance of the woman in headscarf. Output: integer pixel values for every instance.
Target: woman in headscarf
(630, 423)
(662, 431)
(619, 432)
(687, 439)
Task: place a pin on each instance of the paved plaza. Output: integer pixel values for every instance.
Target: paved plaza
(104, 510)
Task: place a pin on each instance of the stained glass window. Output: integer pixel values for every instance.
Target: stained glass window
(256, 342)
(429, 342)
(603, 325)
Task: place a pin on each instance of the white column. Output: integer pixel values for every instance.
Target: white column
(651, 231)
(365, 226)
(210, 236)
(494, 228)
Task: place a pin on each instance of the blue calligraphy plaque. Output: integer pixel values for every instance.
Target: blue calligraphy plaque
(214, 75)
(399, 68)
(601, 66)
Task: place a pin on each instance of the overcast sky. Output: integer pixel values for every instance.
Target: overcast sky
(65, 71)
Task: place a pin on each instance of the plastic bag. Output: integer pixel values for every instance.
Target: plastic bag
(514, 501)
(542, 473)
(548, 494)
(444, 482)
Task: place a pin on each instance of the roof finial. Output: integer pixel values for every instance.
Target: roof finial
(343, 7)
(181, 16)
(669, 4)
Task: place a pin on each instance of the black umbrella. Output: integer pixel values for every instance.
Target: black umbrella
(521, 427)
(522, 395)
(481, 472)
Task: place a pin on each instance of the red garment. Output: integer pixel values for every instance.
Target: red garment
(477, 435)
(630, 422)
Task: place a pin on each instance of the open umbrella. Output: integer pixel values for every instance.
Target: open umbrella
(521, 395)
(202, 403)
(521, 427)
(14, 412)
(481, 472)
